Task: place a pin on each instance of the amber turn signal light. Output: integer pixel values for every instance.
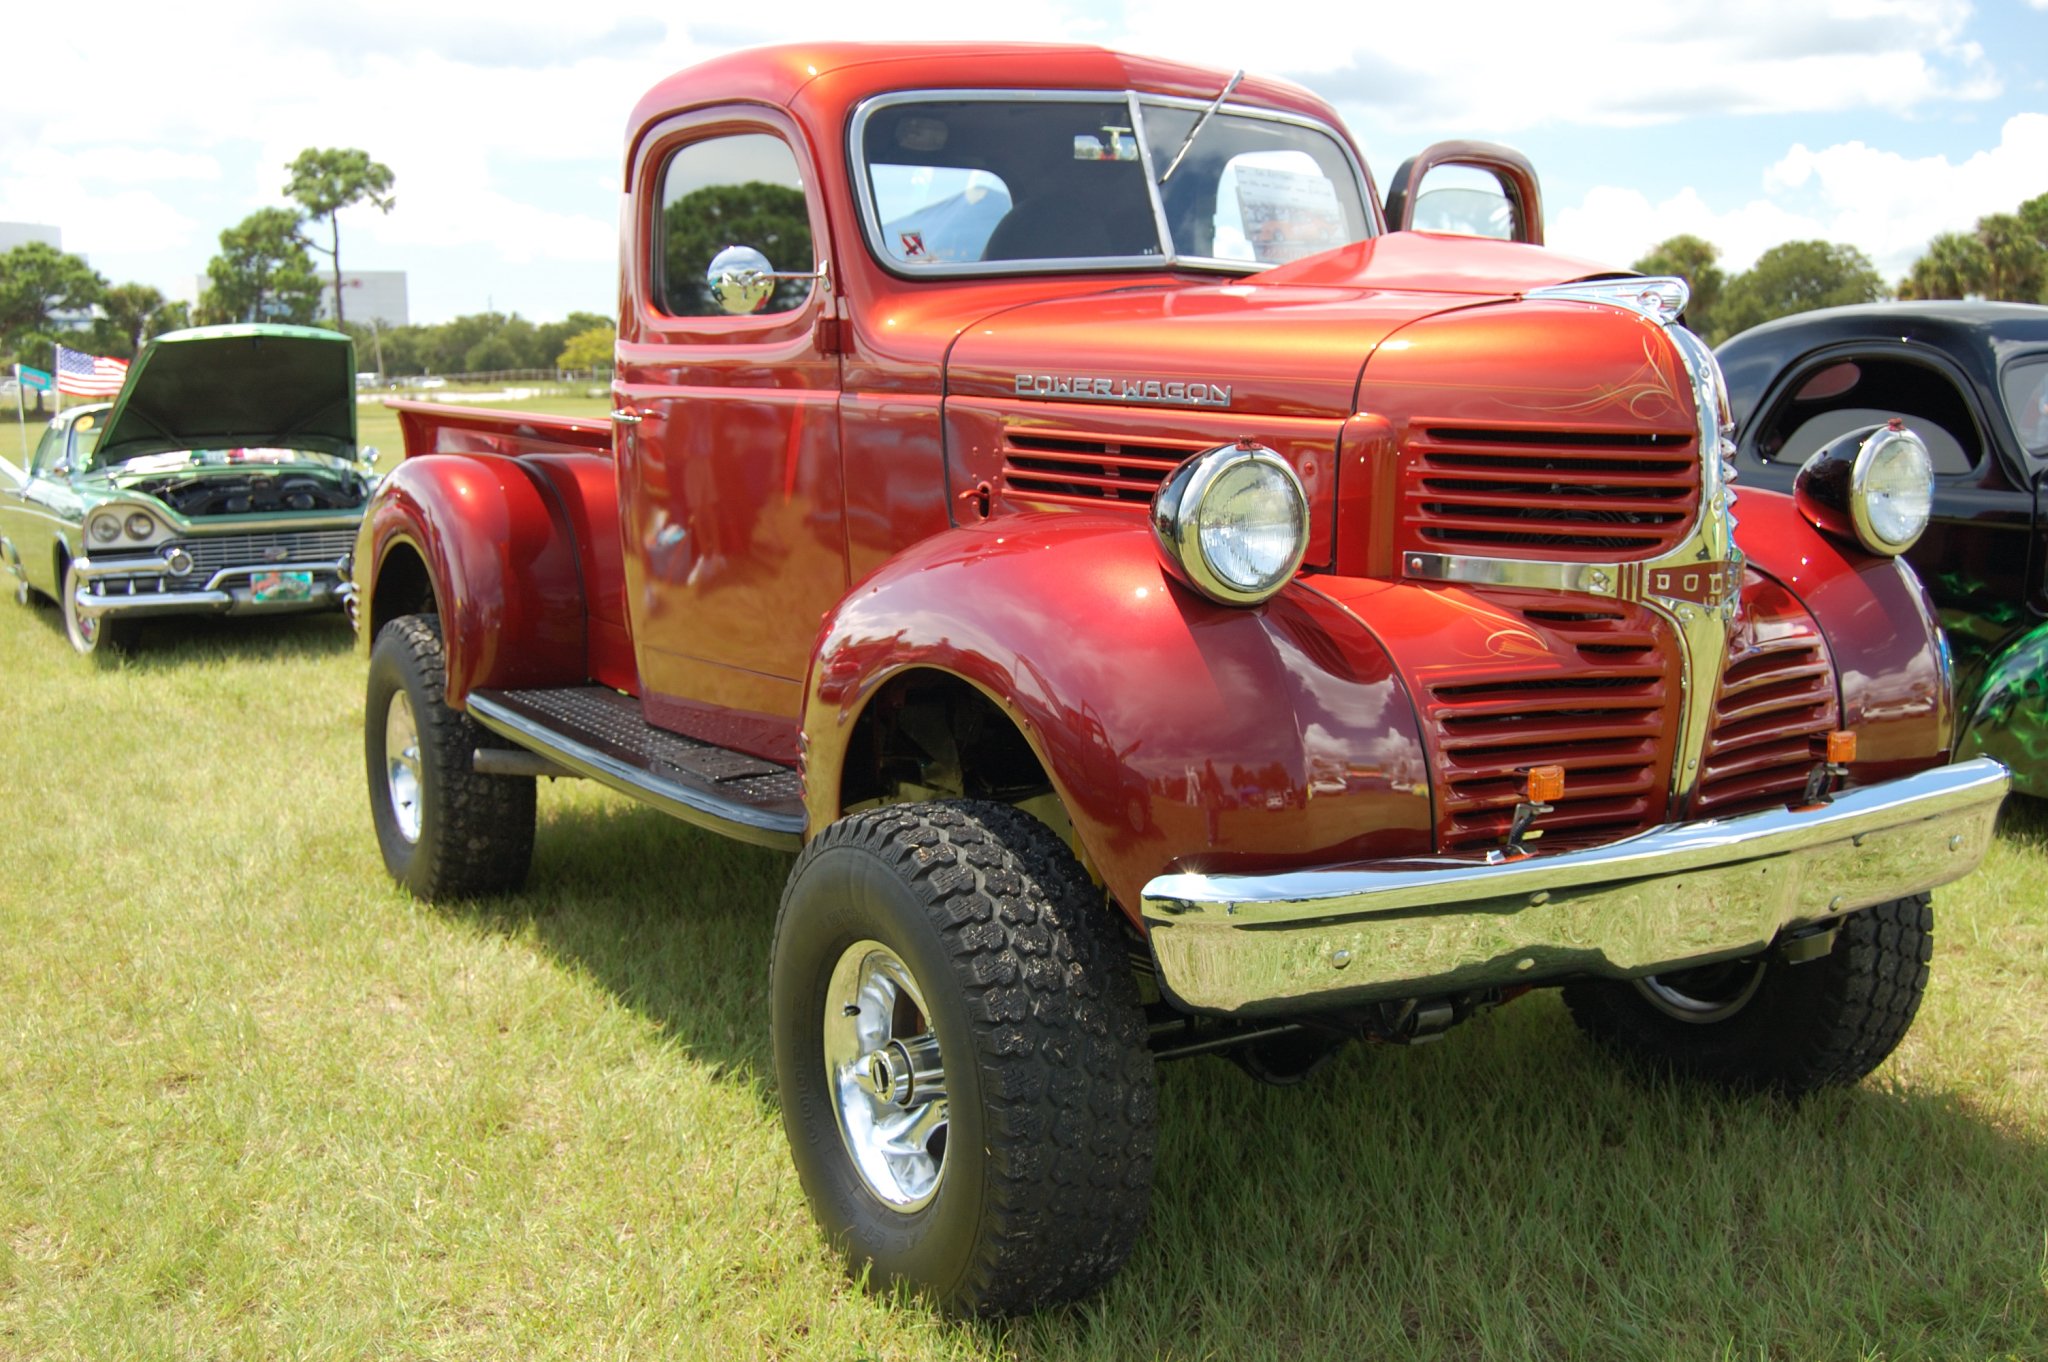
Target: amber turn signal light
(1841, 747)
(1545, 784)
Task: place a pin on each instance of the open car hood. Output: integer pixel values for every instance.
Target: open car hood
(225, 387)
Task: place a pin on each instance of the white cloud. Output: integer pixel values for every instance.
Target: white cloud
(95, 222)
(1501, 65)
(1886, 205)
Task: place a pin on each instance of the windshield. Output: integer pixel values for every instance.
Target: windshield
(996, 183)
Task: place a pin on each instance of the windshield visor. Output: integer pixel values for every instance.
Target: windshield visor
(1000, 183)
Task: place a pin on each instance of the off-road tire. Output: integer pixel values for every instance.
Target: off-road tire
(107, 634)
(1809, 1025)
(475, 832)
(1047, 1170)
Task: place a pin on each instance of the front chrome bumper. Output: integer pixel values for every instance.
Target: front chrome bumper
(230, 590)
(1681, 894)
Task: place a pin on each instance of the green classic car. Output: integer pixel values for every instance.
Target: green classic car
(224, 478)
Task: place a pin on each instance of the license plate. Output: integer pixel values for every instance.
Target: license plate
(282, 586)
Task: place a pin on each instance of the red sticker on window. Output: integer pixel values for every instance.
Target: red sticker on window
(913, 244)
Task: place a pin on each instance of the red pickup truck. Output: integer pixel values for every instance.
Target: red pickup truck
(1172, 606)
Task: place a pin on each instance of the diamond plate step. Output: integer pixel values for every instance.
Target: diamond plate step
(597, 732)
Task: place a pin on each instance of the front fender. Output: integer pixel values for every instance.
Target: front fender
(1881, 629)
(2007, 718)
(1178, 734)
(502, 560)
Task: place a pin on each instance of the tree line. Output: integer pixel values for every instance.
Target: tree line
(2003, 259)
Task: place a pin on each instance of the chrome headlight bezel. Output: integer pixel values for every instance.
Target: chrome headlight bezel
(1890, 443)
(1184, 512)
(113, 528)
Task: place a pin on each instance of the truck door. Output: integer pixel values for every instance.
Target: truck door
(727, 401)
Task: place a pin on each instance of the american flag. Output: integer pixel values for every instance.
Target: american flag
(84, 375)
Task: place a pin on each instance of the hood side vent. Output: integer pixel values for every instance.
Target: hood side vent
(1083, 470)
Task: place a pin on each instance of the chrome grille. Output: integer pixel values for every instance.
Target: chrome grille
(211, 553)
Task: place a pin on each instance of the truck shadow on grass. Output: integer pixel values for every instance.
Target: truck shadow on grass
(1508, 1191)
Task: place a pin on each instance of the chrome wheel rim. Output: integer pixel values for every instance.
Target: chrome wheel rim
(402, 765)
(85, 632)
(882, 1065)
(1710, 993)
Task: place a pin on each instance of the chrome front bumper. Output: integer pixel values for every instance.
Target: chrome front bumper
(1681, 894)
(229, 590)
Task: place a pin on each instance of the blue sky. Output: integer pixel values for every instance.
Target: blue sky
(1875, 122)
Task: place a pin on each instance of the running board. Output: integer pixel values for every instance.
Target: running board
(594, 731)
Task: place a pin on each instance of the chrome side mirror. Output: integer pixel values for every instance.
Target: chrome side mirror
(741, 280)
(369, 455)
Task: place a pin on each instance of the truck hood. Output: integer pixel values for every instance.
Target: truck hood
(229, 387)
(1289, 342)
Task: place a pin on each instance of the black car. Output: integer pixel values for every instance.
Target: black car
(1972, 380)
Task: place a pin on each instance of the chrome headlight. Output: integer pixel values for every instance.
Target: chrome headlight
(104, 528)
(1891, 490)
(1232, 522)
(140, 526)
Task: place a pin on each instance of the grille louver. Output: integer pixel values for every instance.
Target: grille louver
(1608, 723)
(1540, 493)
(1776, 702)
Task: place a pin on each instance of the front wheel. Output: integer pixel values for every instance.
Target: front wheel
(445, 830)
(88, 634)
(1765, 1023)
(961, 1056)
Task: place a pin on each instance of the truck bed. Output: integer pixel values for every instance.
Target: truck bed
(446, 428)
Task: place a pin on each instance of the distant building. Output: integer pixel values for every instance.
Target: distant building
(368, 295)
(14, 234)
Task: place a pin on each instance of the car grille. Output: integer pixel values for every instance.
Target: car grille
(211, 553)
(1549, 494)
(1609, 723)
(1068, 471)
(1775, 705)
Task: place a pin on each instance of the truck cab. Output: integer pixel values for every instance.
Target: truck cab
(1169, 604)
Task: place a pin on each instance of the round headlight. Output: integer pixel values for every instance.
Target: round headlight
(104, 529)
(140, 526)
(1233, 522)
(1891, 490)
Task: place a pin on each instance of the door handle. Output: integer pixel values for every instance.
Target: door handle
(627, 418)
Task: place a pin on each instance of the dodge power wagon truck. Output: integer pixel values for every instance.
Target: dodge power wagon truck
(1170, 606)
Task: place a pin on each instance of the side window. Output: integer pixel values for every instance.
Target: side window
(50, 452)
(2026, 400)
(1837, 398)
(739, 190)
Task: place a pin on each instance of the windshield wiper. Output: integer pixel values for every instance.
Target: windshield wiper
(1200, 123)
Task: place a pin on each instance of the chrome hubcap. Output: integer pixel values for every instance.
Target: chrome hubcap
(402, 765)
(888, 1086)
(1710, 993)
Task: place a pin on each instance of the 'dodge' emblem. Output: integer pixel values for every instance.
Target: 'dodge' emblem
(1707, 584)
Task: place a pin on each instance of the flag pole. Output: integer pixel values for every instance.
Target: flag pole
(21, 416)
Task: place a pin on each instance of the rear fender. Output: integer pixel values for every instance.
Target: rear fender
(1176, 733)
(2008, 716)
(1881, 629)
(501, 556)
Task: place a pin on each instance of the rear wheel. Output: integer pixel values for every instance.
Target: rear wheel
(1762, 1022)
(961, 1057)
(88, 634)
(445, 830)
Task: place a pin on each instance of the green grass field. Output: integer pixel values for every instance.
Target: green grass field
(256, 1103)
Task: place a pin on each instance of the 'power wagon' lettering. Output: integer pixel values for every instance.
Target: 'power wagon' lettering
(1190, 392)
